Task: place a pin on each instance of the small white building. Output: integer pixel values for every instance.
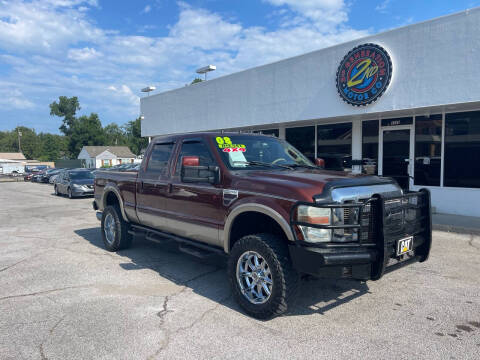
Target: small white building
(105, 156)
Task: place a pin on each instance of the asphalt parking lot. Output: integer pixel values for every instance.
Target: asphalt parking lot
(62, 296)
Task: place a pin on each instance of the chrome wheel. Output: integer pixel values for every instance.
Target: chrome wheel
(254, 277)
(109, 228)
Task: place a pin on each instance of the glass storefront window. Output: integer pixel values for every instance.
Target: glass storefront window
(462, 146)
(274, 132)
(370, 147)
(335, 146)
(303, 138)
(428, 149)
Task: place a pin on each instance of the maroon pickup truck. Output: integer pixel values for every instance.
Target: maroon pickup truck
(270, 209)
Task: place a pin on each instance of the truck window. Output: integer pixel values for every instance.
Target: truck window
(158, 162)
(194, 148)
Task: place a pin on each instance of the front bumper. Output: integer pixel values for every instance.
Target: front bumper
(82, 192)
(376, 255)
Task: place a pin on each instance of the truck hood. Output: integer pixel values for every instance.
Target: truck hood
(303, 184)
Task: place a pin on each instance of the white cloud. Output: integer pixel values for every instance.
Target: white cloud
(382, 7)
(53, 48)
(146, 9)
(83, 54)
(323, 13)
(12, 98)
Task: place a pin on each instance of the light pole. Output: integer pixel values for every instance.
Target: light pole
(19, 143)
(148, 89)
(206, 69)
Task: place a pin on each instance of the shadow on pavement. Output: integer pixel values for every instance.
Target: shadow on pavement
(315, 295)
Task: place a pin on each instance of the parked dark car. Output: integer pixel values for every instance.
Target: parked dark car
(75, 183)
(29, 175)
(38, 176)
(45, 178)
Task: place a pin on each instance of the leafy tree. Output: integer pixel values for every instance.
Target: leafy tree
(86, 130)
(67, 108)
(196, 80)
(134, 136)
(114, 135)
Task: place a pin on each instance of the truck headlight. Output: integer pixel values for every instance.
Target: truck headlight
(315, 216)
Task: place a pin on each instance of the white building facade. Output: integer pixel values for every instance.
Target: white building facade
(106, 156)
(404, 103)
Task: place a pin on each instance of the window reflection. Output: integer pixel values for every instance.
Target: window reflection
(428, 149)
(303, 138)
(370, 147)
(462, 146)
(335, 146)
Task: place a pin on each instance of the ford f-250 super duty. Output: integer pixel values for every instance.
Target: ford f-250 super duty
(270, 209)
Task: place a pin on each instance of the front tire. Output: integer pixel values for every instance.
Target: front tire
(70, 194)
(115, 230)
(263, 280)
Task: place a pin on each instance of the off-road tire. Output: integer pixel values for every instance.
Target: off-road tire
(285, 279)
(123, 239)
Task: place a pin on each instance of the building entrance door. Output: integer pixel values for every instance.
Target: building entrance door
(396, 154)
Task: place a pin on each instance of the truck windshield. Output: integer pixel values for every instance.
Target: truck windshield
(246, 151)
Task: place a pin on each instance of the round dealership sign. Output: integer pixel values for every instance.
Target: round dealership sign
(364, 74)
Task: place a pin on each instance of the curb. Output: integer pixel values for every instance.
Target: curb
(455, 229)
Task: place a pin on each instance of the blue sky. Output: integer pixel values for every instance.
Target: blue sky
(104, 51)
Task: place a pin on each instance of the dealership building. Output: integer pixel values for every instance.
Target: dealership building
(404, 103)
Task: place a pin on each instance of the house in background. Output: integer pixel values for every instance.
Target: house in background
(98, 156)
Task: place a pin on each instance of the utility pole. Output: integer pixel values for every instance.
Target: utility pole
(19, 142)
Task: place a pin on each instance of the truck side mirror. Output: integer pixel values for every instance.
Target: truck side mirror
(192, 172)
(320, 163)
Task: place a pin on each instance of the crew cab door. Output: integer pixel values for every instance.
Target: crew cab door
(152, 186)
(195, 209)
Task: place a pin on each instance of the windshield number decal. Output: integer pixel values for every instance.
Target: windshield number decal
(226, 144)
(234, 149)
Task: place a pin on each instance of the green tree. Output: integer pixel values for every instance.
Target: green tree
(134, 136)
(114, 135)
(196, 80)
(67, 108)
(86, 130)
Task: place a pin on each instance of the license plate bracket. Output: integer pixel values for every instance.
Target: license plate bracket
(405, 245)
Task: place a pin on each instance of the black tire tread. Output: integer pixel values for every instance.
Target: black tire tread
(124, 239)
(281, 264)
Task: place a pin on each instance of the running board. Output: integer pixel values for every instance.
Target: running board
(188, 246)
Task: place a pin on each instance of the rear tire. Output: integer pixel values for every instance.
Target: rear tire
(115, 230)
(284, 279)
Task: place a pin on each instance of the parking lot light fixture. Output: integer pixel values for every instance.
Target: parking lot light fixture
(148, 89)
(206, 69)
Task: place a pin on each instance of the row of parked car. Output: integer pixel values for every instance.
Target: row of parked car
(73, 182)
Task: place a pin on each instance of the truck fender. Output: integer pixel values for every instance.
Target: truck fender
(254, 207)
(112, 188)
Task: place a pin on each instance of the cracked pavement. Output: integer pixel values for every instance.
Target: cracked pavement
(62, 296)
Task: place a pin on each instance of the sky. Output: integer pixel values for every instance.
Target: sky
(105, 51)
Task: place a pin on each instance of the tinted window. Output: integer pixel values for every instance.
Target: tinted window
(335, 145)
(274, 132)
(370, 146)
(194, 148)
(303, 139)
(462, 146)
(158, 161)
(428, 149)
(78, 175)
